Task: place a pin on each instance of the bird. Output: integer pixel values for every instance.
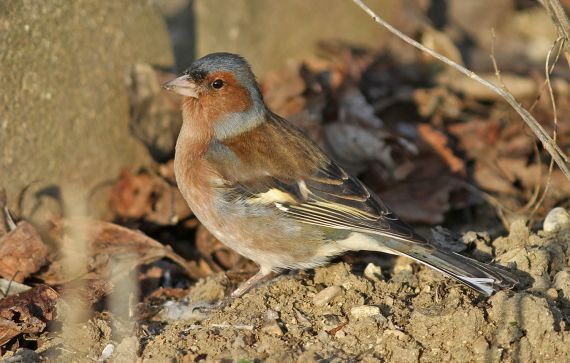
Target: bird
(268, 192)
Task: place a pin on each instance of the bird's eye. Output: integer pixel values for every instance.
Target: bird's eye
(218, 83)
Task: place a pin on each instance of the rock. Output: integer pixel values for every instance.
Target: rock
(323, 297)
(480, 345)
(373, 272)
(272, 327)
(65, 122)
(126, 351)
(364, 311)
(106, 353)
(330, 322)
(403, 264)
(23, 355)
(552, 293)
(562, 283)
(556, 220)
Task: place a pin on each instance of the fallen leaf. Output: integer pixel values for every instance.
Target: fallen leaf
(421, 200)
(149, 197)
(22, 252)
(88, 290)
(27, 312)
(217, 255)
(356, 146)
(439, 142)
(105, 242)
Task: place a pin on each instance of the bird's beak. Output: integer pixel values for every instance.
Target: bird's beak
(182, 85)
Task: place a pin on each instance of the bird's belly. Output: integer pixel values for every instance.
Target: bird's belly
(273, 243)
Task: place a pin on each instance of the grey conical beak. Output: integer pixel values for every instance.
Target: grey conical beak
(182, 85)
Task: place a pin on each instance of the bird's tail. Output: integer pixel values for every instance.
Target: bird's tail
(484, 278)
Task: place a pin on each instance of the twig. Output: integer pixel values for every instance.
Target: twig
(560, 20)
(553, 149)
(547, 72)
(229, 326)
(494, 60)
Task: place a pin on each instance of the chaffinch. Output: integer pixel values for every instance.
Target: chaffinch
(268, 192)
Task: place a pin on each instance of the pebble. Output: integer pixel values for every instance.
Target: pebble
(364, 311)
(330, 321)
(552, 293)
(403, 264)
(272, 328)
(324, 296)
(106, 353)
(480, 345)
(562, 283)
(556, 220)
(373, 272)
(323, 336)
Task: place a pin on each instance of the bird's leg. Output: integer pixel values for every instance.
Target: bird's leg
(255, 280)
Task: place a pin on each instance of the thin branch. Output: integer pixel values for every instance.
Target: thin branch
(553, 149)
(547, 72)
(560, 20)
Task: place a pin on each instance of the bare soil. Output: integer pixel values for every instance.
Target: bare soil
(412, 314)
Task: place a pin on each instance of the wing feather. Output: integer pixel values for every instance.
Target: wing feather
(302, 183)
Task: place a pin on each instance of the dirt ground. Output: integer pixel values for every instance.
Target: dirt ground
(400, 312)
(412, 315)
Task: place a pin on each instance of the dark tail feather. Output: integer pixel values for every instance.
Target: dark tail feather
(479, 276)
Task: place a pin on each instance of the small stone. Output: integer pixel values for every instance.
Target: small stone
(106, 353)
(323, 336)
(271, 315)
(301, 319)
(403, 264)
(556, 220)
(364, 311)
(330, 321)
(239, 342)
(480, 345)
(324, 296)
(373, 272)
(272, 327)
(562, 283)
(552, 293)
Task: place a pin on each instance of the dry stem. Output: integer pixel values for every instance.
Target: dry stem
(553, 149)
(560, 20)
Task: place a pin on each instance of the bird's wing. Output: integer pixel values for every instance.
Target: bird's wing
(307, 186)
(330, 198)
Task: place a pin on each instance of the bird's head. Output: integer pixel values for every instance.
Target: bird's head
(220, 89)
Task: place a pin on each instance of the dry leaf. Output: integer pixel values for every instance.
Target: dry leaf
(438, 142)
(149, 197)
(421, 200)
(89, 290)
(355, 146)
(22, 252)
(27, 312)
(218, 256)
(107, 241)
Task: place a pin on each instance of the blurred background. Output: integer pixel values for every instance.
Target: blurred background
(78, 105)
(86, 130)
